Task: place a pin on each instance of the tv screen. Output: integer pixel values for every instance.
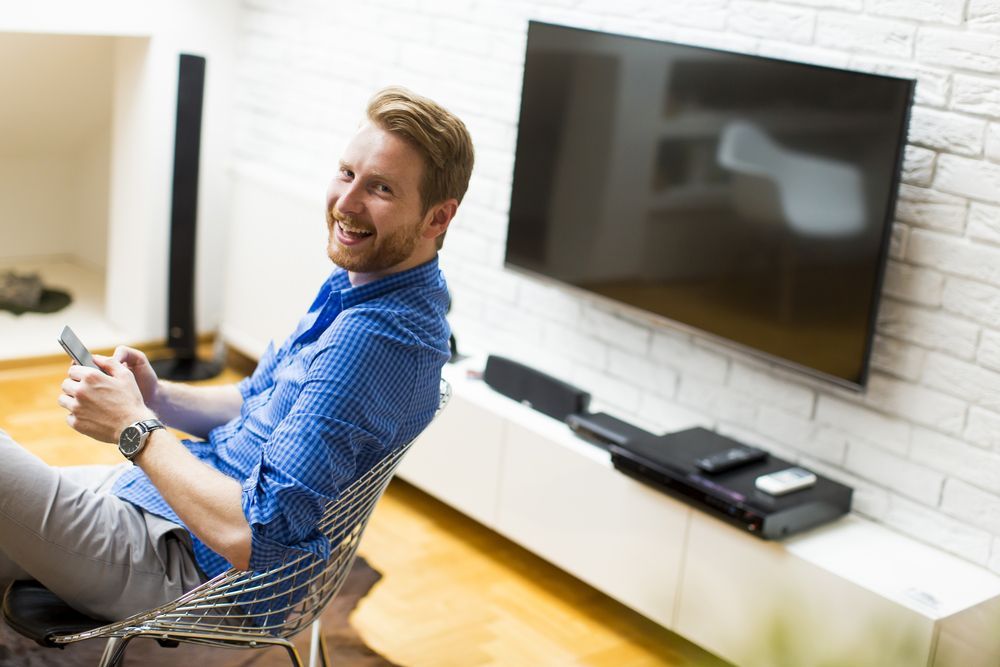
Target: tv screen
(747, 197)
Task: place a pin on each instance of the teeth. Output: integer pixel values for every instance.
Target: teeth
(354, 231)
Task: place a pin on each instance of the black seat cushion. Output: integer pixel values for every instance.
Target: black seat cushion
(35, 612)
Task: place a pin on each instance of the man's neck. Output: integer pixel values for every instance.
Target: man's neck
(413, 261)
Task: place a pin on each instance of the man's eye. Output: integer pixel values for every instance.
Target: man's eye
(384, 189)
(346, 173)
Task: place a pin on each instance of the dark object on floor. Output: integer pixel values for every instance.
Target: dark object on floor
(21, 294)
(346, 646)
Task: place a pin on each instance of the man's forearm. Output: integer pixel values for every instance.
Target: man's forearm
(196, 410)
(207, 501)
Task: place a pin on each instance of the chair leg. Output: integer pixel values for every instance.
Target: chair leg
(317, 646)
(114, 652)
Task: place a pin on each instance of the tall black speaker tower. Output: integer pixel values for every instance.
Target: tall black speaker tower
(181, 332)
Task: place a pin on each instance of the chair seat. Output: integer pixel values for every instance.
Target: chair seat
(37, 613)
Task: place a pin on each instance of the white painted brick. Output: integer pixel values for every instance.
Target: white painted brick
(827, 444)
(473, 247)
(994, 563)
(972, 178)
(946, 131)
(643, 372)
(918, 165)
(715, 39)
(989, 350)
(659, 415)
(933, 84)
(936, 11)
(494, 282)
(798, 434)
(992, 149)
(928, 328)
(984, 223)
(868, 499)
(763, 19)
(801, 53)
(683, 355)
(889, 433)
(917, 285)
(952, 255)
(973, 299)
(913, 481)
(971, 505)
(549, 301)
(976, 94)
(979, 386)
(852, 32)
(956, 458)
(460, 35)
(983, 15)
(772, 390)
(607, 390)
(850, 5)
(706, 14)
(511, 319)
(614, 330)
(961, 49)
(983, 428)
(898, 358)
(928, 208)
(573, 345)
(716, 401)
(928, 525)
(917, 403)
(899, 240)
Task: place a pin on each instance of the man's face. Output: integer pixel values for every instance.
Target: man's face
(373, 206)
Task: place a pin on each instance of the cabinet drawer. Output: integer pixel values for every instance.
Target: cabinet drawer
(585, 517)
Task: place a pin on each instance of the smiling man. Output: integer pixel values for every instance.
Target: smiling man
(357, 379)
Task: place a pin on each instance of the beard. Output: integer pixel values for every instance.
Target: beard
(377, 253)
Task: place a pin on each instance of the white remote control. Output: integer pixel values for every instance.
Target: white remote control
(785, 481)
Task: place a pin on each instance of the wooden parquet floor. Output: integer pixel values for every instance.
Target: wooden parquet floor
(453, 594)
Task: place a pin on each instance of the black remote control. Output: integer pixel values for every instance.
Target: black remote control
(730, 458)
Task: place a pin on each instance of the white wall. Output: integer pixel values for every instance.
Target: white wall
(146, 40)
(54, 146)
(921, 446)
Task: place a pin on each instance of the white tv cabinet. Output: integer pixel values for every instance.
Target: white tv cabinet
(851, 592)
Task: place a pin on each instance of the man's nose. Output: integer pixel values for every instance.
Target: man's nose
(351, 200)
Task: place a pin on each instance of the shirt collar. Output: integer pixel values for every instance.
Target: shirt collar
(426, 274)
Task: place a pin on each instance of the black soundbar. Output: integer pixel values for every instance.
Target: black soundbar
(667, 463)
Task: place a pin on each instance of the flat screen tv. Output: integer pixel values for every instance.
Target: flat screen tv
(746, 197)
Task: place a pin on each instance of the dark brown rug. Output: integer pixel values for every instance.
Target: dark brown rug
(345, 645)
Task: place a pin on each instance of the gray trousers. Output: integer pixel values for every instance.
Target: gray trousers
(102, 555)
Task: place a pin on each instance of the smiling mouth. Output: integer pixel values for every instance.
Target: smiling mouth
(357, 233)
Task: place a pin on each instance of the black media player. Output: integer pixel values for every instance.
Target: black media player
(668, 463)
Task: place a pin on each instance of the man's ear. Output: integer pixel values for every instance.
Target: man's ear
(438, 218)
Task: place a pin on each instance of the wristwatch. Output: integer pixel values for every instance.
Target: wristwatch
(133, 438)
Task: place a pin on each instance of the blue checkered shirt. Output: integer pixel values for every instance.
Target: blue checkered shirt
(359, 377)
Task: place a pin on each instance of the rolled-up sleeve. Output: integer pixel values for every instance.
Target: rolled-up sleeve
(344, 417)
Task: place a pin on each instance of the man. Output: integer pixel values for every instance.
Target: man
(357, 378)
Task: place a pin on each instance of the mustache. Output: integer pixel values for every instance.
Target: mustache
(333, 216)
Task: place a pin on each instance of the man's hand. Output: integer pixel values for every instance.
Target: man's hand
(99, 405)
(145, 376)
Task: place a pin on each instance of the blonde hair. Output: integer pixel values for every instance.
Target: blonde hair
(439, 135)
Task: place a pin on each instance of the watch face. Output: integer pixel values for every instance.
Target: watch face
(128, 443)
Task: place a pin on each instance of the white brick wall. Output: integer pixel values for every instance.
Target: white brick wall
(921, 446)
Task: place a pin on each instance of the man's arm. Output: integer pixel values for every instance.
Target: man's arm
(207, 501)
(194, 410)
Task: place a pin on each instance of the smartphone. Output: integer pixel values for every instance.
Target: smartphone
(76, 349)
(785, 481)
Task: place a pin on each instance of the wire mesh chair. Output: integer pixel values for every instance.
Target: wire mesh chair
(238, 608)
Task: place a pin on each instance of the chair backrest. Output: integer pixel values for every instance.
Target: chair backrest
(284, 599)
